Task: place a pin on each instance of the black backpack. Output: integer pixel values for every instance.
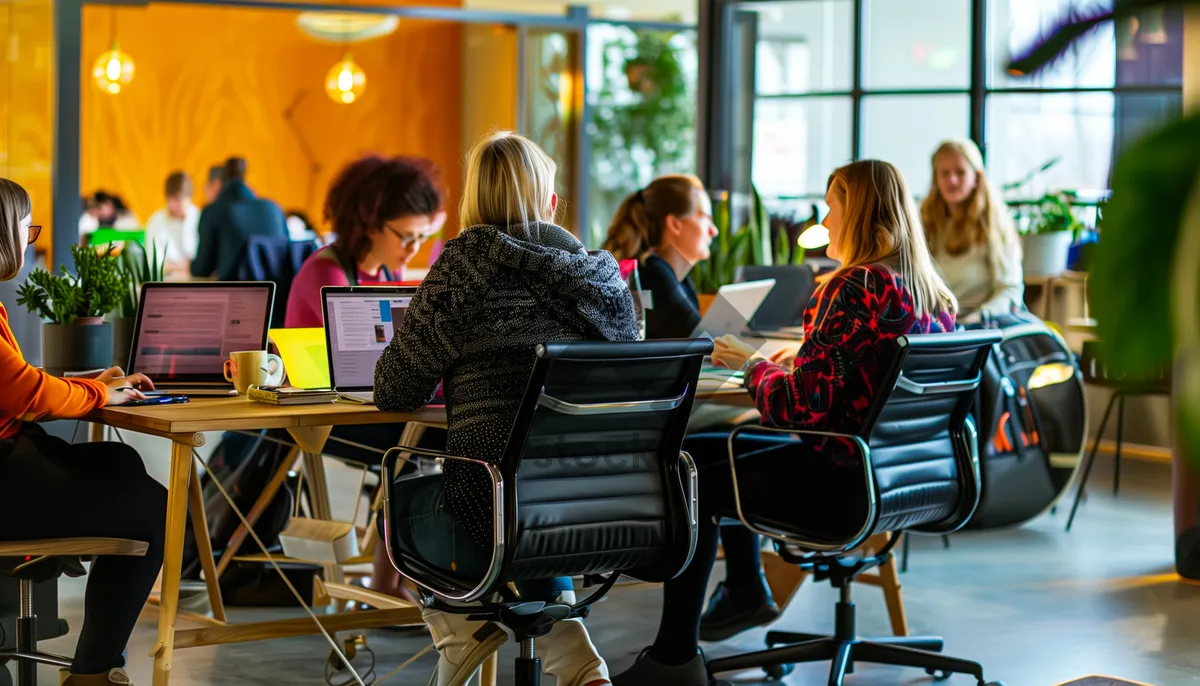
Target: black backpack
(1032, 417)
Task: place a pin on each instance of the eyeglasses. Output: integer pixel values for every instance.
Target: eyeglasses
(408, 241)
(34, 232)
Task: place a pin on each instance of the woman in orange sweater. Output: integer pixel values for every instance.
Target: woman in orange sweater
(53, 489)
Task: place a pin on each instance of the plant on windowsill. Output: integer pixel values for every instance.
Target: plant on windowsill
(1145, 287)
(1047, 240)
(73, 306)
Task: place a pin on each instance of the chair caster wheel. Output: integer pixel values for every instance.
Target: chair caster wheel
(940, 675)
(778, 672)
(991, 683)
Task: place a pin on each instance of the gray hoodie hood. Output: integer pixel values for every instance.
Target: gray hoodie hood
(581, 287)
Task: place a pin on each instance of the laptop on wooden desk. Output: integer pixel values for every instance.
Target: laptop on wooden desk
(360, 321)
(185, 331)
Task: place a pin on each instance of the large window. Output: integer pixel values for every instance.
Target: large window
(837, 80)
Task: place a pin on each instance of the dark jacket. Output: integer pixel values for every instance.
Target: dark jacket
(225, 225)
(675, 308)
(490, 298)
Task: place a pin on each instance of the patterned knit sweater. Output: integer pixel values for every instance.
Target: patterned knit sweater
(490, 298)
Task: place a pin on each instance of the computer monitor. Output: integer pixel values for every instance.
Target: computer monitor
(185, 331)
(360, 321)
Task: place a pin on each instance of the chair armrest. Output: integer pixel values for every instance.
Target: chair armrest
(483, 587)
(791, 538)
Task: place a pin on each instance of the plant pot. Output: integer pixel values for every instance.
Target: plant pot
(706, 301)
(1046, 253)
(122, 328)
(78, 347)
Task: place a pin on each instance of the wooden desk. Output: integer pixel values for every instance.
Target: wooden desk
(184, 425)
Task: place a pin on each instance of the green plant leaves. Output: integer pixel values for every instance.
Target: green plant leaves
(96, 288)
(1130, 284)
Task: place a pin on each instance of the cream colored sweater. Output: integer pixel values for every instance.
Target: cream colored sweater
(970, 278)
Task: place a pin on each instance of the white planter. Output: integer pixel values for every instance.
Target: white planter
(1046, 253)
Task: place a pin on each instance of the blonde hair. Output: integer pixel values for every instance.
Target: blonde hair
(510, 182)
(15, 205)
(641, 220)
(879, 226)
(985, 219)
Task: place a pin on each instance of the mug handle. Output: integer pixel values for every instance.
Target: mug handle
(275, 379)
(230, 370)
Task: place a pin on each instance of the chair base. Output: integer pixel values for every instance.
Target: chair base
(27, 656)
(904, 651)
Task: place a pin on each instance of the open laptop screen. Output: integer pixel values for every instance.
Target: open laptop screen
(185, 331)
(359, 324)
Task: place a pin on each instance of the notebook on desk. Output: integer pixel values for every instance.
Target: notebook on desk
(185, 331)
(360, 321)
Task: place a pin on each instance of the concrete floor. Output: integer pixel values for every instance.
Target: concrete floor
(1035, 606)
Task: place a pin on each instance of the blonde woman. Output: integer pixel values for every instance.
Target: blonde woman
(971, 235)
(511, 280)
(886, 287)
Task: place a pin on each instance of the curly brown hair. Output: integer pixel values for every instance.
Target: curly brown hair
(375, 190)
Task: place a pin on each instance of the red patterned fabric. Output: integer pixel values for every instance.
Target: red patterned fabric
(850, 326)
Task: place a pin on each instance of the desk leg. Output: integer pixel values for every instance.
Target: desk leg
(177, 498)
(204, 544)
(96, 432)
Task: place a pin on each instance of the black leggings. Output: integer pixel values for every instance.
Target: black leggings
(53, 489)
(771, 470)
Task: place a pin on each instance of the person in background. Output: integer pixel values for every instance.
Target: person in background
(667, 227)
(53, 489)
(886, 287)
(174, 228)
(212, 189)
(972, 237)
(226, 224)
(510, 281)
(381, 209)
(103, 210)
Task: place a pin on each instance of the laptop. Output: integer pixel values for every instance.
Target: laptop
(782, 312)
(735, 304)
(360, 321)
(185, 331)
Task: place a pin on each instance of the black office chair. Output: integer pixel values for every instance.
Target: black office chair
(1097, 373)
(920, 470)
(592, 481)
(36, 561)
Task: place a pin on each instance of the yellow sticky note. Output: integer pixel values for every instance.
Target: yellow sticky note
(304, 356)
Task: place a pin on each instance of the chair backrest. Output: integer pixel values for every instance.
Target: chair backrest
(595, 456)
(923, 446)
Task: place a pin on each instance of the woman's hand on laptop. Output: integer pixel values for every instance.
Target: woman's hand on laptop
(731, 352)
(122, 388)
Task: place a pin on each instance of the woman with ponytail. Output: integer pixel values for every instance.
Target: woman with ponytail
(667, 227)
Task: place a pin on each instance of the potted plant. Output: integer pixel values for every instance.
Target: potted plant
(763, 240)
(139, 267)
(72, 307)
(1048, 239)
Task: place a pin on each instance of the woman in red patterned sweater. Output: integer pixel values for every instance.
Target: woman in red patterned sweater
(886, 287)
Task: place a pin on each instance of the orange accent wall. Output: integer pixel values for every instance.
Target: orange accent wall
(26, 101)
(213, 82)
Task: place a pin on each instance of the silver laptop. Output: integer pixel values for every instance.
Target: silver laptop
(733, 307)
(360, 321)
(185, 331)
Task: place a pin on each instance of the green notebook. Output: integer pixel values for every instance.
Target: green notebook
(110, 235)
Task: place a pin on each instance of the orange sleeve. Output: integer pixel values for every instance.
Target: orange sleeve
(31, 394)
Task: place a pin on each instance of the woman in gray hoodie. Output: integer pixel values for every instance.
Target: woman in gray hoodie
(511, 280)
